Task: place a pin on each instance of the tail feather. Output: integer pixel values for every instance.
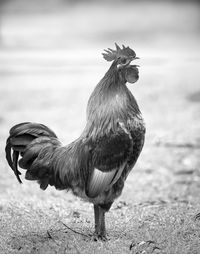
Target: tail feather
(36, 144)
(32, 151)
(12, 161)
(33, 129)
(38, 160)
(21, 140)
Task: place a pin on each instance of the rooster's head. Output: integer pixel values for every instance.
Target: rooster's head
(122, 58)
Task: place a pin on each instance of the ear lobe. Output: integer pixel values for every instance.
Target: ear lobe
(131, 74)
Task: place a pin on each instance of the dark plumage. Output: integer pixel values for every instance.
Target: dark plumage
(95, 165)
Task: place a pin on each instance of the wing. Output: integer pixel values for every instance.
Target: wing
(137, 130)
(109, 158)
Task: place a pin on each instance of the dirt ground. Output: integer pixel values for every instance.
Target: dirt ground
(49, 64)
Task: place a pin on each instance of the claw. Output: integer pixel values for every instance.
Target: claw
(98, 237)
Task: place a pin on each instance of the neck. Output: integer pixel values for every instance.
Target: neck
(110, 103)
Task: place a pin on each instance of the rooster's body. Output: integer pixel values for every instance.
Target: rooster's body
(96, 165)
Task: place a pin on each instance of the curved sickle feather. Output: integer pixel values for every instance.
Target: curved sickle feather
(15, 169)
(12, 161)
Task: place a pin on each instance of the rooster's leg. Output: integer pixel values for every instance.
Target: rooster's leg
(99, 215)
(102, 226)
(96, 218)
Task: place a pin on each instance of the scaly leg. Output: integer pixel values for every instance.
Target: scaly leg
(100, 229)
(96, 219)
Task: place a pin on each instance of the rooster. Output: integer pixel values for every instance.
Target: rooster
(95, 166)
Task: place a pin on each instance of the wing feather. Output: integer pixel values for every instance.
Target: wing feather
(109, 158)
(99, 181)
(102, 181)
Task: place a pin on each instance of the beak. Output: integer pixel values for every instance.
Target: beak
(134, 58)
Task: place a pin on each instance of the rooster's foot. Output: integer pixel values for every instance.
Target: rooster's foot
(99, 237)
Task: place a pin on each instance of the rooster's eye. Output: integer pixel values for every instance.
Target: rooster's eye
(123, 61)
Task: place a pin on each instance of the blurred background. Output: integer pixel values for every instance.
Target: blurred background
(50, 61)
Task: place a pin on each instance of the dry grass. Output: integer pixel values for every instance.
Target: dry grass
(155, 213)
